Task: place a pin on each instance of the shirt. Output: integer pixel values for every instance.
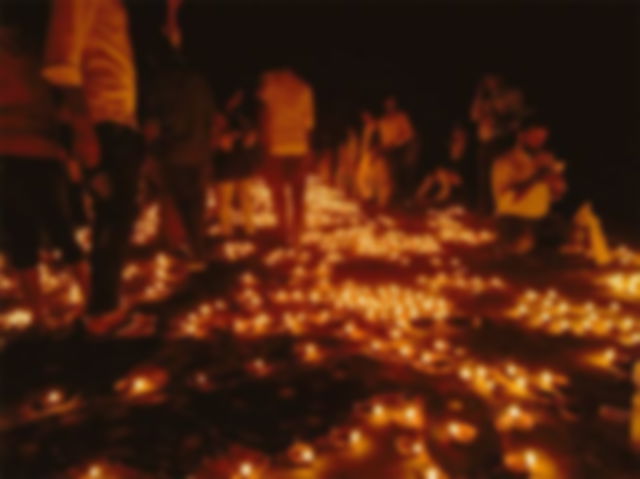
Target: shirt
(513, 168)
(27, 114)
(395, 129)
(88, 46)
(288, 115)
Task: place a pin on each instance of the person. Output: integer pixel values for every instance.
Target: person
(373, 176)
(236, 161)
(587, 236)
(287, 122)
(89, 59)
(178, 120)
(33, 171)
(526, 181)
(450, 180)
(496, 110)
(399, 147)
(348, 162)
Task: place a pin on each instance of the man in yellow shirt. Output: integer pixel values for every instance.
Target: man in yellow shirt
(526, 180)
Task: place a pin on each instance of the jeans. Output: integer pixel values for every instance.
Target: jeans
(35, 204)
(121, 158)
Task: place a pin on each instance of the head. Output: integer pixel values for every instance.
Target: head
(172, 29)
(161, 55)
(235, 100)
(390, 104)
(533, 134)
(367, 117)
(492, 82)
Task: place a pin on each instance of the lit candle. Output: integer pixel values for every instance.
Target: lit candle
(461, 432)
(54, 397)
(410, 445)
(301, 454)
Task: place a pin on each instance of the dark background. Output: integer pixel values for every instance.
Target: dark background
(577, 62)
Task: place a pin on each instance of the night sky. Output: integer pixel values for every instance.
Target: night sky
(578, 63)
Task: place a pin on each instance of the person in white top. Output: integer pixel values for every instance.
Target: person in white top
(88, 56)
(287, 121)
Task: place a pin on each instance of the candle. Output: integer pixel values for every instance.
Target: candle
(95, 471)
(301, 454)
(54, 397)
(461, 432)
(410, 445)
(513, 417)
(534, 462)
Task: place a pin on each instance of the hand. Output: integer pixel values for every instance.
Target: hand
(101, 185)
(74, 171)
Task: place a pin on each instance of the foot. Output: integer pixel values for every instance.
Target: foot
(196, 266)
(105, 323)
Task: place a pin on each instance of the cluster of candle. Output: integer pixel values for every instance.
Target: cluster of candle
(558, 315)
(450, 229)
(391, 420)
(399, 317)
(624, 284)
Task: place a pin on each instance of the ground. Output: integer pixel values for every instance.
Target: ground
(383, 346)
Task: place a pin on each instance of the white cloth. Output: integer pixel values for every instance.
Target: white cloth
(88, 46)
(289, 113)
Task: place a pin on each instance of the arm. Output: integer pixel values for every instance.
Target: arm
(69, 23)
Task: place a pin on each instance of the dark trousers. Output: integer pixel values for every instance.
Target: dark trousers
(186, 187)
(288, 173)
(402, 163)
(121, 158)
(35, 206)
(548, 233)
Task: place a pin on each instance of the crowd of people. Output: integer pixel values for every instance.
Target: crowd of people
(78, 127)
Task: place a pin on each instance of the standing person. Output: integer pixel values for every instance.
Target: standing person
(496, 111)
(373, 177)
(451, 178)
(33, 176)
(287, 122)
(179, 111)
(236, 160)
(348, 162)
(399, 146)
(89, 58)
